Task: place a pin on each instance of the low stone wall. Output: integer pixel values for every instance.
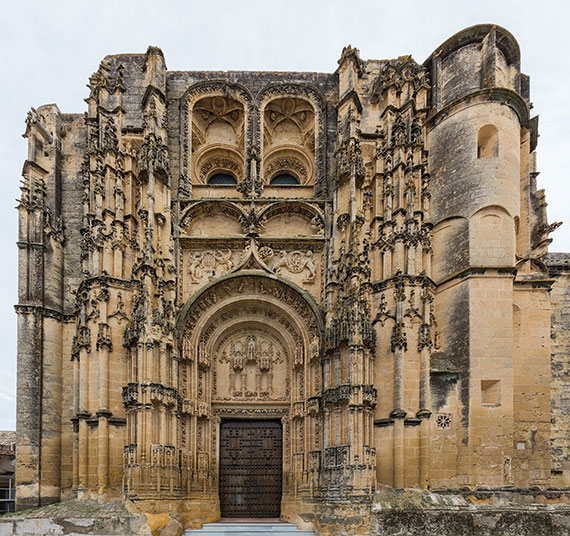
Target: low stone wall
(481, 512)
(390, 513)
(479, 521)
(74, 518)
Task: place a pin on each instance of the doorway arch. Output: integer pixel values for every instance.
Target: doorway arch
(250, 349)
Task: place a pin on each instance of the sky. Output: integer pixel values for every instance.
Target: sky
(50, 48)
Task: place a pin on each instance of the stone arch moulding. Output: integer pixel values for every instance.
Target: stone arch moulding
(491, 209)
(249, 342)
(492, 240)
(283, 292)
(201, 208)
(193, 94)
(217, 159)
(312, 214)
(288, 160)
(315, 98)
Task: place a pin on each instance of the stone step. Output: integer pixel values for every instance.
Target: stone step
(246, 528)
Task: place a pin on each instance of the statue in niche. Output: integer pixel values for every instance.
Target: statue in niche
(314, 348)
(251, 348)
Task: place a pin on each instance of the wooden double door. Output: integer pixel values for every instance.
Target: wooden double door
(250, 468)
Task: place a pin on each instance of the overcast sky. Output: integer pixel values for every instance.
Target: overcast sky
(50, 48)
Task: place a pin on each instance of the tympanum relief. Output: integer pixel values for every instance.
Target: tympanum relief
(301, 266)
(251, 366)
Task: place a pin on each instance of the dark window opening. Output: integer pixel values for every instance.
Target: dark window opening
(222, 179)
(284, 180)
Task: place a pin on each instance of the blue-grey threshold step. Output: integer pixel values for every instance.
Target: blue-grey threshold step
(253, 528)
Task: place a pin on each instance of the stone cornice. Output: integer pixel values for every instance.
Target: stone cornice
(479, 270)
(27, 309)
(496, 94)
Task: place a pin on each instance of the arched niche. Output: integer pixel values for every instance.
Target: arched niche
(293, 219)
(291, 133)
(289, 139)
(488, 142)
(492, 237)
(211, 218)
(218, 135)
(216, 121)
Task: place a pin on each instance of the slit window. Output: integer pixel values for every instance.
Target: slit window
(222, 179)
(284, 179)
(488, 142)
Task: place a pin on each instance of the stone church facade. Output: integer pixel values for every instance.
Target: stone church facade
(254, 293)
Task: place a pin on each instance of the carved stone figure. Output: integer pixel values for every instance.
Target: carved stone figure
(194, 270)
(224, 260)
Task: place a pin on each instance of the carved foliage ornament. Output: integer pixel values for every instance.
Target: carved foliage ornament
(349, 160)
(105, 79)
(397, 73)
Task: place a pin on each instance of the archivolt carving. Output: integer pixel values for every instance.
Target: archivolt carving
(261, 288)
(220, 159)
(286, 164)
(258, 316)
(252, 412)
